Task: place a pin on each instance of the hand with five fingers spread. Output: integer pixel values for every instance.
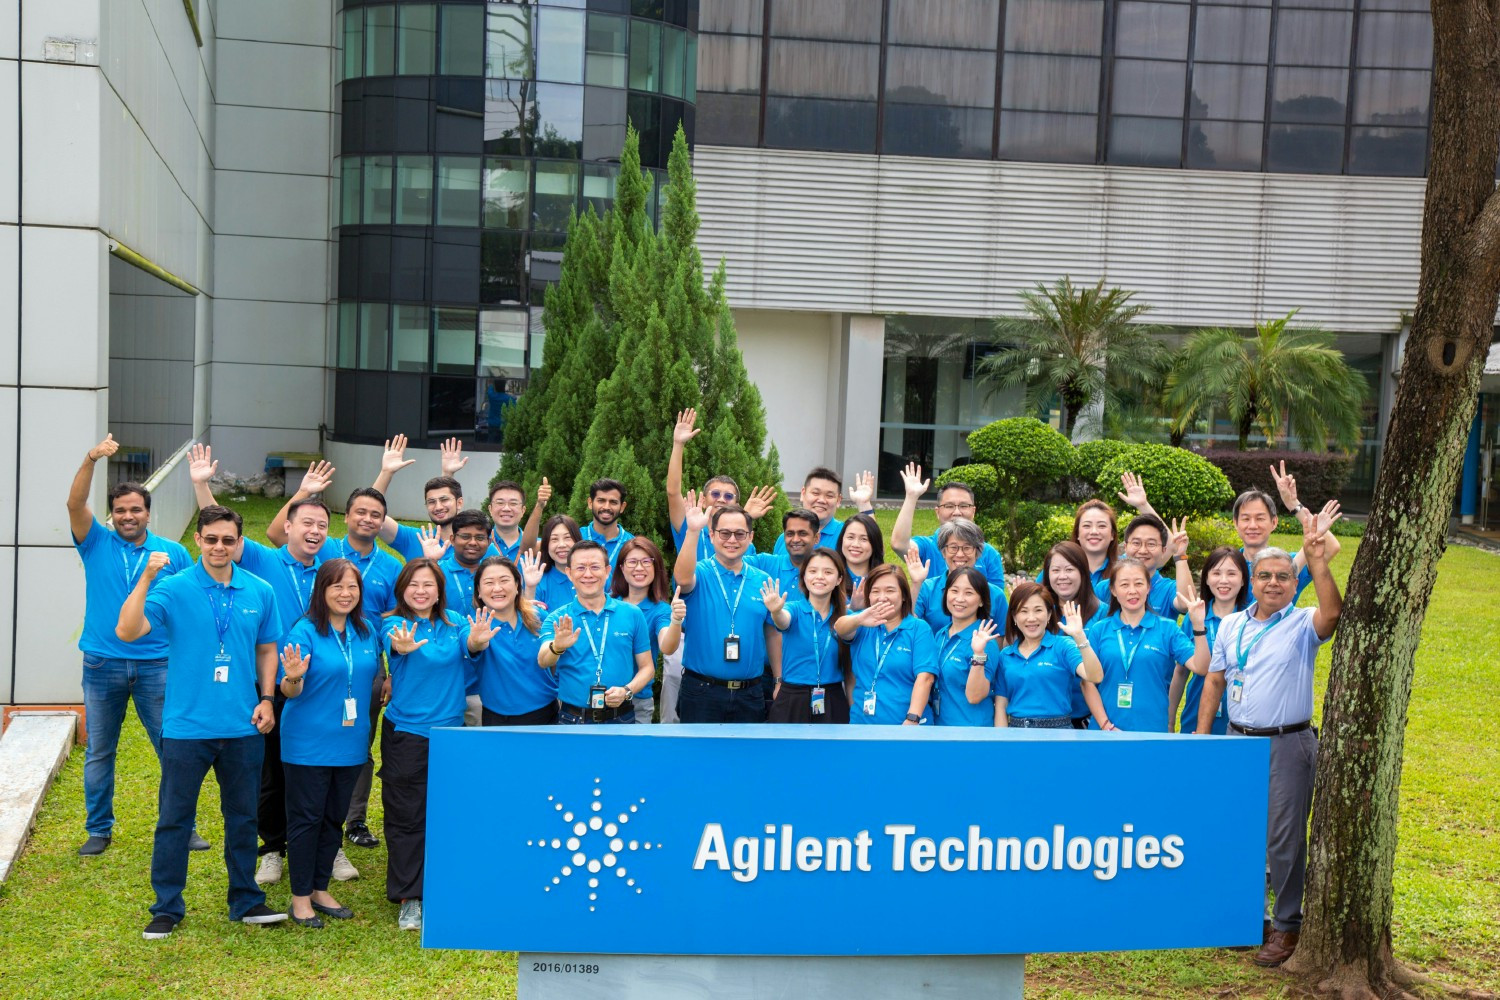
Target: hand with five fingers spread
(878, 613)
(759, 501)
(1134, 492)
(201, 464)
(293, 664)
(394, 459)
(564, 635)
(1072, 621)
(984, 634)
(684, 430)
(404, 640)
(452, 457)
(916, 567)
(695, 517)
(911, 478)
(318, 478)
(770, 593)
(481, 629)
(862, 492)
(433, 543)
(530, 565)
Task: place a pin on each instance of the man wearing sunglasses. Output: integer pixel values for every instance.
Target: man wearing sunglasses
(720, 491)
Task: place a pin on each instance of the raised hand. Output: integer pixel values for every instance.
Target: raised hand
(318, 477)
(1134, 492)
(877, 614)
(104, 448)
(1286, 485)
(563, 633)
(394, 459)
(293, 663)
(543, 493)
(916, 567)
(771, 594)
(530, 565)
(684, 431)
(1177, 539)
(1072, 621)
(759, 501)
(911, 478)
(695, 517)
(452, 456)
(1324, 519)
(155, 563)
(201, 464)
(433, 543)
(679, 607)
(481, 626)
(983, 636)
(862, 493)
(404, 640)
(1196, 610)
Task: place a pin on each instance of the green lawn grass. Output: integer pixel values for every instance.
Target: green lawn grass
(70, 927)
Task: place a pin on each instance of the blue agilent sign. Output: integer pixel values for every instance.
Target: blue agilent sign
(823, 840)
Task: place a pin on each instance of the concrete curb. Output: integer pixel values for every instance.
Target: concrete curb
(32, 751)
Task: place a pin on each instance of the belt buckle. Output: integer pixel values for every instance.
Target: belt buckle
(734, 685)
(596, 715)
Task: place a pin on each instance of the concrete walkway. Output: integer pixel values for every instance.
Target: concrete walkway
(32, 751)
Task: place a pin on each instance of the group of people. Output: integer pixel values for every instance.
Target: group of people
(277, 664)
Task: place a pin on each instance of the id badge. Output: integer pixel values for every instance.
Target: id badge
(870, 703)
(1122, 695)
(221, 673)
(731, 648)
(1236, 691)
(819, 703)
(351, 711)
(596, 697)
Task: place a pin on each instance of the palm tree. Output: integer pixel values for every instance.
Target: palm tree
(1080, 344)
(1278, 377)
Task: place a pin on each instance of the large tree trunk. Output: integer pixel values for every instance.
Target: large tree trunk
(1346, 939)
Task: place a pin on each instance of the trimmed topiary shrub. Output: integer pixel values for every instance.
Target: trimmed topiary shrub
(1206, 534)
(1178, 482)
(1321, 476)
(1025, 454)
(980, 478)
(1090, 458)
(1055, 527)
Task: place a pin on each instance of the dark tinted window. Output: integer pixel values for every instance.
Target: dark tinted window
(806, 123)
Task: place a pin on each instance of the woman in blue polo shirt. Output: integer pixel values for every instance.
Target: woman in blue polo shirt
(328, 666)
(641, 578)
(892, 651)
(960, 541)
(811, 688)
(429, 653)
(1040, 669)
(861, 546)
(1225, 586)
(559, 535)
(513, 690)
(964, 693)
(1139, 651)
(1064, 572)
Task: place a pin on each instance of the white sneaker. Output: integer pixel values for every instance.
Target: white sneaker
(410, 918)
(342, 869)
(269, 869)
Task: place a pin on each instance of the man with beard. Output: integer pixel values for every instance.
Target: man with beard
(606, 504)
(443, 495)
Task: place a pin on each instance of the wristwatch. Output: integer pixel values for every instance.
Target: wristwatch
(1200, 631)
(913, 717)
(266, 697)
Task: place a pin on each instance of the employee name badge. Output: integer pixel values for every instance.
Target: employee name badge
(870, 703)
(731, 648)
(351, 711)
(1236, 690)
(1122, 695)
(596, 696)
(819, 702)
(221, 667)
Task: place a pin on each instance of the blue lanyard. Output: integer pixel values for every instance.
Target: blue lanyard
(952, 643)
(132, 573)
(354, 556)
(824, 627)
(880, 660)
(1240, 652)
(735, 607)
(464, 582)
(223, 616)
(346, 646)
(302, 602)
(1129, 658)
(597, 648)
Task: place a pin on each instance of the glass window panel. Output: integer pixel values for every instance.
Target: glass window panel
(409, 337)
(645, 113)
(414, 191)
(354, 42)
(1050, 83)
(673, 54)
(730, 65)
(603, 123)
(502, 360)
(727, 120)
(805, 123)
(963, 24)
(824, 69)
(1224, 145)
(1313, 37)
(1229, 91)
(1145, 142)
(349, 190)
(378, 199)
(1305, 149)
(604, 57)
(453, 341)
(507, 194)
(374, 334)
(458, 191)
(417, 42)
(922, 130)
(1048, 138)
(1388, 152)
(1232, 34)
(538, 339)
(599, 182)
(1064, 27)
(1421, 5)
(463, 40)
(348, 339)
(1310, 95)
(1391, 97)
(744, 17)
(508, 41)
(1396, 40)
(940, 76)
(1148, 88)
(501, 273)
(508, 105)
(849, 20)
(645, 56)
(380, 41)
(556, 194)
(450, 406)
(559, 120)
(1152, 30)
(690, 83)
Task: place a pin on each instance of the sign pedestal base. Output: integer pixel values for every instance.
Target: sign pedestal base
(740, 977)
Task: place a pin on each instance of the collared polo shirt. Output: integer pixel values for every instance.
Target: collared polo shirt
(111, 568)
(709, 621)
(500, 547)
(658, 616)
(378, 571)
(809, 647)
(428, 685)
(887, 663)
(1280, 654)
(312, 724)
(1154, 648)
(407, 543)
(1042, 685)
(459, 585)
(779, 567)
(930, 603)
(952, 685)
(291, 581)
(1193, 693)
(1161, 597)
(611, 545)
(989, 562)
(608, 642)
(555, 590)
(510, 680)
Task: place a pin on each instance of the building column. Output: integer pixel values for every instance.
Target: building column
(863, 347)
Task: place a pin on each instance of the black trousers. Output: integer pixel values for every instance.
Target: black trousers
(544, 716)
(316, 799)
(793, 703)
(359, 802)
(403, 793)
(270, 816)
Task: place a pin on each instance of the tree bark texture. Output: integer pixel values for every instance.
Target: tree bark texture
(1346, 938)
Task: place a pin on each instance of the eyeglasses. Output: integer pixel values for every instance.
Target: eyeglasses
(507, 504)
(1143, 544)
(636, 563)
(436, 501)
(951, 508)
(955, 549)
(723, 496)
(1266, 576)
(732, 534)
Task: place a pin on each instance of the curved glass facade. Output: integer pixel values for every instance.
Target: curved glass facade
(1296, 86)
(470, 132)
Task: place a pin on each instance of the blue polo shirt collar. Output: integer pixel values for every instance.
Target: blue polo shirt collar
(610, 604)
(236, 577)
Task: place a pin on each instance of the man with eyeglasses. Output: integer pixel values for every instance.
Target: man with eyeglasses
(1265, 656)
(730, 605)
(1148, 541)
(719, 491)
(820, 494)
(955, 499)
(606, 504)
(507, 504)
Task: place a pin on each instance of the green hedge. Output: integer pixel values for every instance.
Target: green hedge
(1090, 458)
(980, 478)
(1045, 533)
(1179, 482)
(1321, 476)
(1286, 524)
(1024, 453)
(1206, 534)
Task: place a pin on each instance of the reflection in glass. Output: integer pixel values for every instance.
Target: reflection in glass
(603, 123)
(559, 48)
(849, 20)
(453, 341)
(805, 123)
(961, 24)
(558, 117)
(413, 190)
(463, 40)
(690, 83)
(673, 53)
(556, 194)
(417, 41)
(1065, 27)
(380, 41)
(450, 405)
(1232, 34)
(1152, 30)
(349, 191)
(1305, 149)
(740, 17)
(823, 69)
(374, 332)
(645, 56)
(409, 336)
(1148, 88)
(1224, 145)
(939, 76)
(1145, 142)
(599, 181)
(348, 343)
(378, 190)
(1310, 95)
(1391, 97)
(1313, 37)
(1229, 91)
(1050, 83)
(502, 343)
(458, 191)
(728, 120)
(730, 65)
(1389, 152)
(604, 59)
(1048, 138)
(921, 130)
(1396, 40)
(507, 193)
(509, 111)
(500, 271)
(509, 41)
(354, 42)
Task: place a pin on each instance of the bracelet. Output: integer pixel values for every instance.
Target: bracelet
(266, 697)
(552, 645)
(1200, 631)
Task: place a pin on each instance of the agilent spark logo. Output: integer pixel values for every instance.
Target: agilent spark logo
(596, 841)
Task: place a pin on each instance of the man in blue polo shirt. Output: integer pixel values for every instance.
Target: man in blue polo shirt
(114, 671)
(220, 625)
(606, 505)
(507, 504)
(727, 622)
(954, 500)
(600, 646)
(799, 533)
(820, 494)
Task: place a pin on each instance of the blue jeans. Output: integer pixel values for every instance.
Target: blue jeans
(701, 701)
(108, 685)
(567, 718)
(184, 764)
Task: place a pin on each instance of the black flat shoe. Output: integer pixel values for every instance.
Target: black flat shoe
(313, 921)
(336, 912)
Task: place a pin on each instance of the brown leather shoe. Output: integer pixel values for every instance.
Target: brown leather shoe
(1277, 949)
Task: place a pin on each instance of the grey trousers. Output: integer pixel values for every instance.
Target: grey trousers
(1294, 760)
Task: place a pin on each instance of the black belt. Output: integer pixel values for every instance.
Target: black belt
(1272, 730)
(721, 682)
(597, 714)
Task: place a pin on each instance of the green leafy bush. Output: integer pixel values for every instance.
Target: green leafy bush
(1206, 534)
(1179, 483)
(1032, 549)
(980, 478)
(1090, 458)
(1321, 476)
(1289, 525)
(1024, 452)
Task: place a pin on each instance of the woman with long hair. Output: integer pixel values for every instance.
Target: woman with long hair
(1225, 587)
(558, 537)
(812, 677)
(513, 690)
(1045, 659)
(893, 654)
(640, 578)
(862, 547)
(1066, 575)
